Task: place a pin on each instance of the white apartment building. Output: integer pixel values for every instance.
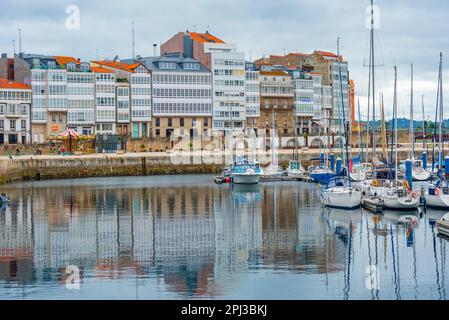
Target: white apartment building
(80, 97)
(141, 102)
(138, 79)
(105, 101)
(303, 100)
(228, 86)
(123, 101)
(337, 114)
(182, 96)
(15, 106)
(49, 107)
(252, 95)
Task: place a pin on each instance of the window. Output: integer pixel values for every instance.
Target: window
(53, 117)
(2, 108)
(24, 109)
(23, 125)
(158, 132)
(12, 125)
(2, 124)
(170, 122)
(206, 122)
(181, 122)
(158, 122)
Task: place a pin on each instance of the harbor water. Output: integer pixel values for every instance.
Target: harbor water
(184, 237)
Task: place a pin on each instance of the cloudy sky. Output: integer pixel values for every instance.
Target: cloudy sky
(409, 31)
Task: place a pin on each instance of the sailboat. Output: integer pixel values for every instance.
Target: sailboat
(273, 170)
(294, 168)
(438, 192)
(360, 168)
(418, 172)
(339, 192)
(321, 173)
(396, 196)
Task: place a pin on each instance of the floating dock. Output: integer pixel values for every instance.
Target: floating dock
(372, 204)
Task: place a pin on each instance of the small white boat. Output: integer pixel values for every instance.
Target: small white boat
(248, 177)
(418, 171)
(396, 199)
(437, 196)
(340, 194)
(243, 171)
(443, 225)
(273, 170)
(294, 169)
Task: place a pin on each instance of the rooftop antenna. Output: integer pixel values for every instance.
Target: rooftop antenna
(250, 59)
(14, 46)
(207, 28)
(133, 43)
(20, 40)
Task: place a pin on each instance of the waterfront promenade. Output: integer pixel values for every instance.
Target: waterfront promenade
(32, 167)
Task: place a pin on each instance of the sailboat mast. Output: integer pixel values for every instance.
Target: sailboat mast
(395, 115)
(361, 153)
(412, 135)
(343, 107)
(372, 79)
(393, 126)
(424, 138)
(440, 85)
(384, 133)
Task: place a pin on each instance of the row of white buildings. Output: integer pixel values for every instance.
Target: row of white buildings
(198, 85)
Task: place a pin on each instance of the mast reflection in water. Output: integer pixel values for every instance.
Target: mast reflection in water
(184, 237)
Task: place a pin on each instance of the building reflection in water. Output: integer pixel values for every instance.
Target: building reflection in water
(200, 240)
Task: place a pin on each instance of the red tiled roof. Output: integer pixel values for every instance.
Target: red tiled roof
(327, 54)
(63, 60)
(273, 73)
(118, 65)
(100, 70)
(204, 37)
(8, 84)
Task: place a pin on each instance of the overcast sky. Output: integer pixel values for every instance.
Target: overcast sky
(409, 31)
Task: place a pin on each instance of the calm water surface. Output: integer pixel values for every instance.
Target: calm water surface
(183, 237)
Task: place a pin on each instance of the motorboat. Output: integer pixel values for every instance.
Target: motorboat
(339, 193)
(294, 169)
(243, 171)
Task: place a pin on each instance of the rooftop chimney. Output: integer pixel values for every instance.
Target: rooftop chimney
(154, 49)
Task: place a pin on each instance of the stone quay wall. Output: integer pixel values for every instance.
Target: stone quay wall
(23, 168)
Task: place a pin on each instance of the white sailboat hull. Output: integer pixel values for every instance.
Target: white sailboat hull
(343, 198)
(441, 201)
(400, 203)
(419, 174)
